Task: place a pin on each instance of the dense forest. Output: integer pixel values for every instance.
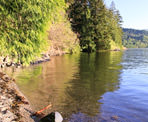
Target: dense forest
(31, 28)
(133, 38)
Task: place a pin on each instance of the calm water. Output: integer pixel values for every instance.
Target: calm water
(90, 88)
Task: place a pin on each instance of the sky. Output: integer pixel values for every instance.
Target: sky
(134, 12)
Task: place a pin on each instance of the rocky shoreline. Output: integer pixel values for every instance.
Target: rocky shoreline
(14, 106)
(7, 62)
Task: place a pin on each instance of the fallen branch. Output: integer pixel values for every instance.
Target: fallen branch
(38, 113)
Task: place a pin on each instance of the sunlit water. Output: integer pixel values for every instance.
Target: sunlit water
(90, 87)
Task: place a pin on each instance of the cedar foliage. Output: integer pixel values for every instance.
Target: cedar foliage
(24, 25)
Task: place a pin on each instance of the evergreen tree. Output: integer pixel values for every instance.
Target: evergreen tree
(97, 26)
(116, 20)
(80, 18)
(100, 23)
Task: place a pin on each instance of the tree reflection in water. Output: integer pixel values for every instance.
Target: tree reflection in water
(74, 84)
(98, 73)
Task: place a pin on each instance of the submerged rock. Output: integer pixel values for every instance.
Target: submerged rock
(114, 117)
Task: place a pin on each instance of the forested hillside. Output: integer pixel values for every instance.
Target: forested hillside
(31, 28)
(133, 38)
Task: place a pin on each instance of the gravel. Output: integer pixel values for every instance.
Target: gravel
(14, 107)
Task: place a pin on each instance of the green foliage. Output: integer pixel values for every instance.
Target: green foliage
(80, 15)
(133, 38)
(23, 27)
(96, 25)
(27, 25)
(115, 26)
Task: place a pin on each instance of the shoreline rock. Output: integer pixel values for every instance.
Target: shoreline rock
(7, 62)
(14, 106)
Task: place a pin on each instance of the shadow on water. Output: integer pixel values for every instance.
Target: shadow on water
(74, 84)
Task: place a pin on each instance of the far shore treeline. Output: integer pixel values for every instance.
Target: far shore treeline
(29, 28)
(133, 38)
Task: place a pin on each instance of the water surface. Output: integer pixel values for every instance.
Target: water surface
(90, 87)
